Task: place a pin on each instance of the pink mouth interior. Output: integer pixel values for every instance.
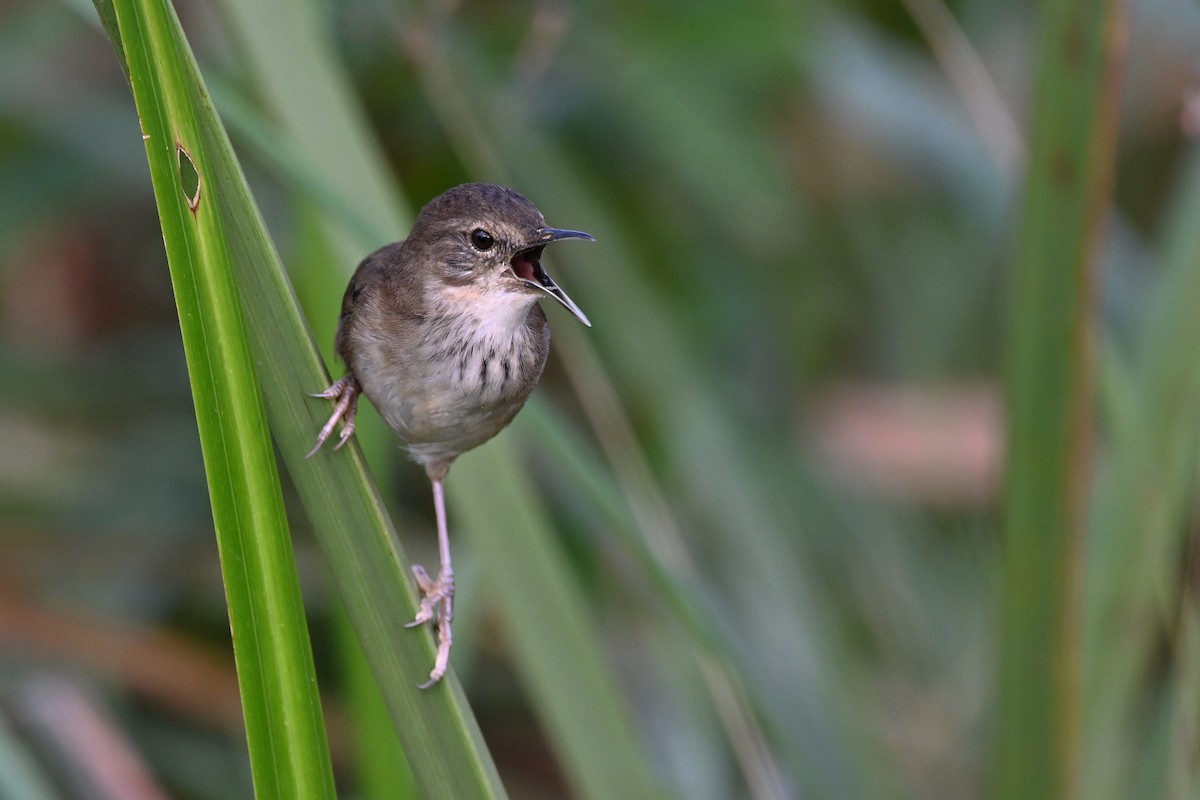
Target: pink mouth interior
(526, 264)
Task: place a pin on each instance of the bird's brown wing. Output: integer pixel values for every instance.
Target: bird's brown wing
(367, 278)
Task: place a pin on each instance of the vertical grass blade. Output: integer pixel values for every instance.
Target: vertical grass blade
(1144, 498)
(440, 736)
(1050, 388)
(285, 732)
(383, 770)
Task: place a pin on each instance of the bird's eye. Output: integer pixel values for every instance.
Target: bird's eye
(482, 240)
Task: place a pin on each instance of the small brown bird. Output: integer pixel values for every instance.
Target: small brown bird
(444, 334)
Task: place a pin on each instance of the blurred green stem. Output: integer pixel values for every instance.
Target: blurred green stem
(1050, 397)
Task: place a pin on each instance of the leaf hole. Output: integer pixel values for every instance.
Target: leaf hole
(189, 177)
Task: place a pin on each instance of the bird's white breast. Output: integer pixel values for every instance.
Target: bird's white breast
(461, 379)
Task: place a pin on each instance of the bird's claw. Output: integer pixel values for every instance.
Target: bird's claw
(345, 390)
(437, 606)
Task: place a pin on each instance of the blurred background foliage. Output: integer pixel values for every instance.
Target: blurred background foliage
(774, 461)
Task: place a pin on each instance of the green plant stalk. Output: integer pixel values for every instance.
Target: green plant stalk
(1143, 501)
(557, 645)
(348, 206)
(382, 769)
(440, 736)
(1050, 387)
(1172, 415)
(285, 731)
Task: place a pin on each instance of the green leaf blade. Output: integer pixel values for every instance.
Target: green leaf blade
(440, 736)
(285, 731)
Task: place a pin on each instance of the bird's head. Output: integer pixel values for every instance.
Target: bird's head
(485, 243)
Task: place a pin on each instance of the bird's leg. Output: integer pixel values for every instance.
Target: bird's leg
(345, 391)
(437, 602)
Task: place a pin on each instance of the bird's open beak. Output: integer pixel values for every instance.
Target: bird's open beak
(527, 265)
(547, 235)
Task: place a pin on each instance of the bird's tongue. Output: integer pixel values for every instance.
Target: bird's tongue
(526, 266)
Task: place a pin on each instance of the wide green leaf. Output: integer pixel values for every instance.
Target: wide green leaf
(284, 728)
(439, 734)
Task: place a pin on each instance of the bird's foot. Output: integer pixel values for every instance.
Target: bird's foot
(437, 606)
(345, 391)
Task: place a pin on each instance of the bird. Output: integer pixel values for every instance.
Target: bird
(444, 334)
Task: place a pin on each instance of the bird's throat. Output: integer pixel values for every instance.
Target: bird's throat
(492, 314)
